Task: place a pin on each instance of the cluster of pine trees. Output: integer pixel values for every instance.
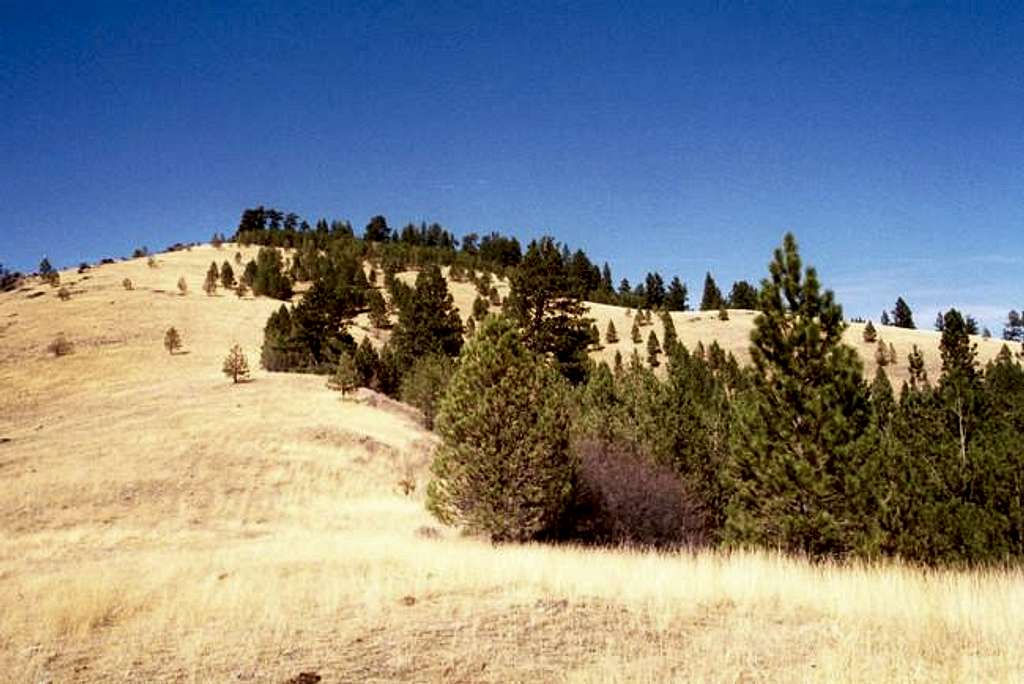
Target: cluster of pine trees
(797, 451)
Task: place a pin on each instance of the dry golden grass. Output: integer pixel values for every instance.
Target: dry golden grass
(159, 524)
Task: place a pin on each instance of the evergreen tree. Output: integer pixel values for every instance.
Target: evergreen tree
(367, 362)
(800, 474)
(480, 308)
(378, 310)
(241, 289)
(377, 230)
(212, 275)
(172, 340)
(743, 296)
(346, 377)
(902, 317)
(1013, 330)
(915, 364)
(870, 334)
(428, 323)
(611, 336)
(505, 466)
(881, 354)
(711, 300)
(653, 350)
(236, 366)
(671, 337)
(547, 311)
(618, 362)
(884, 320)
(634, 332)
(182, 286)
(425, 383)
(319, 327)
(470, 327)
(48, 273)
(227, 276)
(723, 314)
(675, 297)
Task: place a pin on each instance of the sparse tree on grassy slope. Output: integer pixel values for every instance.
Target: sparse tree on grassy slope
(236, 365)
(172, 340)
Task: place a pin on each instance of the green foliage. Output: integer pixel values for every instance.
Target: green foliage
(428, 322)
(425, 383)
(870, 334)
(610, 334)
(711, 299)
(653, 350)
(210, 283)
(902, 316)
(378, 310)
(480, 308)
(504, 467)
(548, 311)
(743, 295)
(802, 457)
(267, 277)
(227, 276)
(345, 378)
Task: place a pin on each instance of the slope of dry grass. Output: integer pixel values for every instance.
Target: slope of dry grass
(159, 524)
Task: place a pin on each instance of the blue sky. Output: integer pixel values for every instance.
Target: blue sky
(889, 137)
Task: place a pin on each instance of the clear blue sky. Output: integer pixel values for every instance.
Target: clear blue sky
(888, 136)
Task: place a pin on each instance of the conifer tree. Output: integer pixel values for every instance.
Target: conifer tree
(172, 340)
(611, 336)
(428, 323)
(723, 314)
(915, 364)
(801, 459)
(236, 366)
(884, 320)
(653, 350)
(634, 332)
(480, 308)
(346, 377)
(227, 276)
(618, 362)
(675, 297)
(902, 317)
(425, 383)
(241, 289)
(504, 466)
(671, 337)
(711, 300)
(892, 353)
(870, 334)
(210, 284)
(182, 286)
(470, 327)
(881, 354)
(378, 310)
(548, 311)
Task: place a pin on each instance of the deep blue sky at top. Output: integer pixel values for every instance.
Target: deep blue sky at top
(679, 137)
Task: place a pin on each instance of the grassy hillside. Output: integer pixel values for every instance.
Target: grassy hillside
(160, 524)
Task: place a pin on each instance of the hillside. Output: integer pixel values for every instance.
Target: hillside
(160, 524)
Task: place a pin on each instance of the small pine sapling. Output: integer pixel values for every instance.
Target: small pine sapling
(172, 340)
(236, 365)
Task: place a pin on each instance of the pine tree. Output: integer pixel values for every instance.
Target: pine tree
(653, 350)
(902, 317)
(618, 362)
(611, 336)
(428, 323)
(870, 334)
(210, 284)
(236, 366)
(504, 467)
(675, 297)
(915, 364)
(227, 276)
(470, 327)
(671, 337)
(884, 320)
(711, 300)
(548, 311)
(723, 314)
(172, 340)
(881, 354)
(241, 289)
(892, 353)
(743, 296)
(480, 308)
(634, 332)
(802, 453)
(346, 377)
(182, 286)
(378, 310)
(425, 384)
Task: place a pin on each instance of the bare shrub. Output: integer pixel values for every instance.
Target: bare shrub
(64, 294)
(61, 345)
(127, 282)
(624, 498)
